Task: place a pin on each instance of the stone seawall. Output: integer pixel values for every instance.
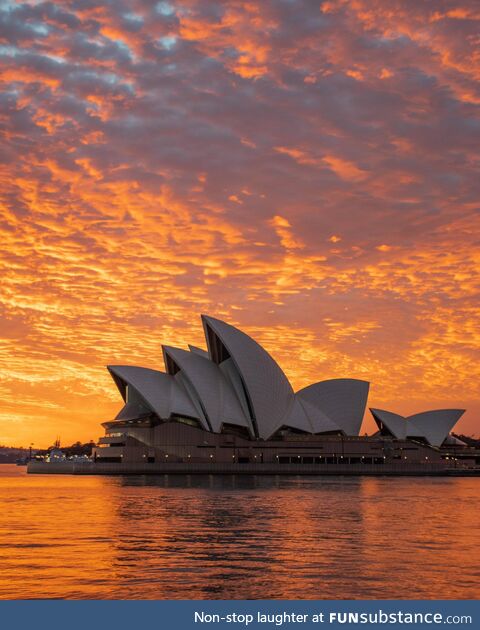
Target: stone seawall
(96, 468)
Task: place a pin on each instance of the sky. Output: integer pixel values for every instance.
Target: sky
(305, 170)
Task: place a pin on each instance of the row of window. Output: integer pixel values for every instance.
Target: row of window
(330, 460)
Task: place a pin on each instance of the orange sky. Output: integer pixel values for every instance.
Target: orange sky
(306, 172)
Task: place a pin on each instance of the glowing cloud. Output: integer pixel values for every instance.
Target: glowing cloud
(310, 174)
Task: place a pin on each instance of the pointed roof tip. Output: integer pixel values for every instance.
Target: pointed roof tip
(120, 366)
(198, 351)
(113, 367)
(210, 318)
(166, 347)
(173, 350)
(205, 320)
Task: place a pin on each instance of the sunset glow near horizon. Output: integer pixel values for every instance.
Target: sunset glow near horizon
(305, 171)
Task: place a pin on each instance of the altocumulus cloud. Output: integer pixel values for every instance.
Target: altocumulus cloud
(305, 170)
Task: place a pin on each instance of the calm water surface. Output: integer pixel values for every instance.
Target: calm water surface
(187, 537)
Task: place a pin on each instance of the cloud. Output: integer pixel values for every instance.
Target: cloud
(310, 174)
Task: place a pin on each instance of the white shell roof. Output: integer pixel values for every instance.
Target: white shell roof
(185, 385)
(434, 425)
(269, 390)
(453, 441)
(214, 393)
(319, 421)
(160, 391)
(248, 382)
(395, 424)
(131, 411)
(200, 351)
(342, 400)
(232, 376)
(298, 418)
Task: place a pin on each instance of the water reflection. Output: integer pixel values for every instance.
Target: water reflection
(199, 537)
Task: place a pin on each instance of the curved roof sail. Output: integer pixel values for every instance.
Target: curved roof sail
(319, 421)
(237, 383)
(215, 396)
(342, 400)
(297, 418)
(159, 391)
(200, 351)
(394, 423)
(133, 411)
(435, 425)
(267, 389)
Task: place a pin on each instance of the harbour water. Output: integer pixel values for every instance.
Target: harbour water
(226, 537)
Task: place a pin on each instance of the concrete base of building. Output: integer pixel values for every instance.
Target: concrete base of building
(98, 468)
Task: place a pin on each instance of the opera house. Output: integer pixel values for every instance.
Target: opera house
(230, 408)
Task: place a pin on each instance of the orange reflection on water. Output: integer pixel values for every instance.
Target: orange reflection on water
(187, 537)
